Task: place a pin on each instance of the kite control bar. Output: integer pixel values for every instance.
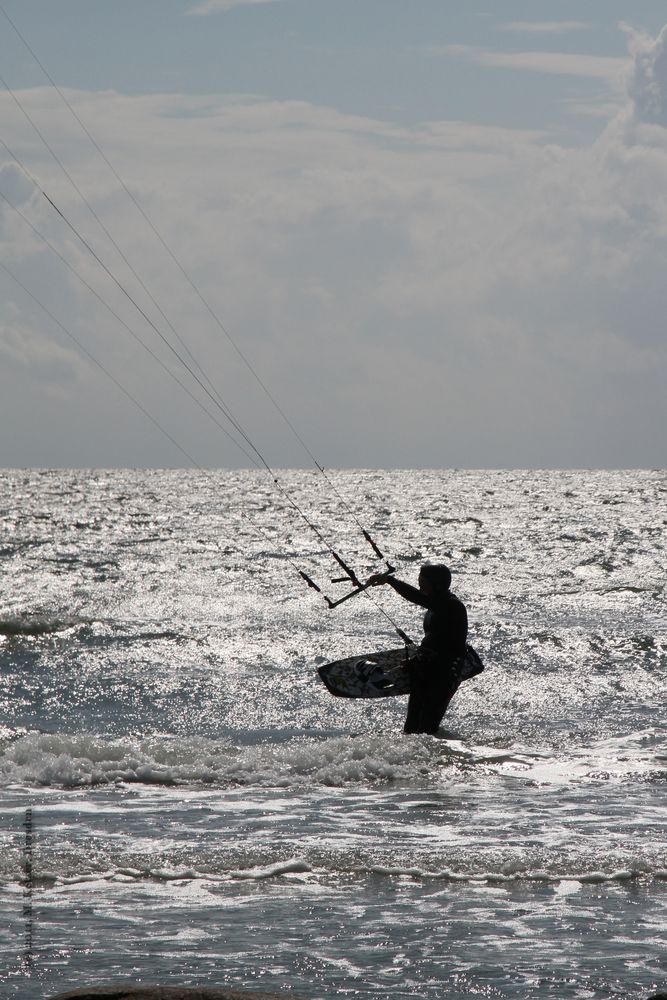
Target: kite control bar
(359, 589)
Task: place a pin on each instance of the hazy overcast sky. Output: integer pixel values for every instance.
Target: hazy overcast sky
(437, 231)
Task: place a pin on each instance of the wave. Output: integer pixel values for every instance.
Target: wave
(566, 874)
(293, 866)
(35, 623)
(80, 761)
(312, 761)
(597, 877)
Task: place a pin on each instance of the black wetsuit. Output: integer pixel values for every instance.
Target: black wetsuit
(433, 677)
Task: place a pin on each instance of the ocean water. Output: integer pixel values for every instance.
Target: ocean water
(183, 802)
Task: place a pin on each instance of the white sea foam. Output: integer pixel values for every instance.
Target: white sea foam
(62, 761)
(294, 867)
(77, 761)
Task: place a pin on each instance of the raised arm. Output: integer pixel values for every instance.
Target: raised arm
(408, 592)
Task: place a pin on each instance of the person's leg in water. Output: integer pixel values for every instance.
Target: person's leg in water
(432, 686)
(442, 689)
(416, 699)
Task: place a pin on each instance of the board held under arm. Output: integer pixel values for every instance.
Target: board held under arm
(386, 673)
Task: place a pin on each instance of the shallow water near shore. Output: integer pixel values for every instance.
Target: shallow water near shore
(203, 812)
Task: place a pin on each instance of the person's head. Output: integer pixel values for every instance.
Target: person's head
(434, 578)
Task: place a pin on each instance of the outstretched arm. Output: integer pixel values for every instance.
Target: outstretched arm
(406, 590)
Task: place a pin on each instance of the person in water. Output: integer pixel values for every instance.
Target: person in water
(434, 676)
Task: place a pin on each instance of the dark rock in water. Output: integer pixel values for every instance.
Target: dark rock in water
(129, 992)
(658, 996)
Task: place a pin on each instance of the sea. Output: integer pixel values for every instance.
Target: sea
(184, 803)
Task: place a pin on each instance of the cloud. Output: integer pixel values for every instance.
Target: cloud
(607, 68)
(14, 183)
(604, 110)
(448, 294)
(221, 6)
(545, 27)
(25, 353)
(648, 82)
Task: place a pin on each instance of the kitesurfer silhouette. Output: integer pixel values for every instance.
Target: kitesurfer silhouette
(434, 676)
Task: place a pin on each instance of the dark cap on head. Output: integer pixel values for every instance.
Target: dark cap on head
(438, 575)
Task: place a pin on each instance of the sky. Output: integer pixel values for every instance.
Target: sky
(363, 233)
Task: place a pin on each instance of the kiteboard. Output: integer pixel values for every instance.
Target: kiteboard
(384, 674)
